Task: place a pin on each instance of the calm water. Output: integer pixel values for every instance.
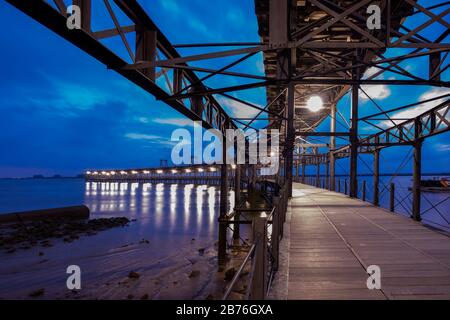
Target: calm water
(190, 210)
(161, 209)
(435, 207)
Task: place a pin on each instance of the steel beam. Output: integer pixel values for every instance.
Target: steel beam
(354, 139)
(237, 200)
(332, 184)
(417, 176)
(376, 177)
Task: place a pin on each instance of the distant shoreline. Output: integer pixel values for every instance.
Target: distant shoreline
(308, 175)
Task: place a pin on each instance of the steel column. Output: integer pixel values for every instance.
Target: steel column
(332, 184)
(318, 174)
(237, 200)
(354, 139)
(146, 41)
(303, 171)
(417, 175)
(290, 138)
(222, 245)
(376, 177)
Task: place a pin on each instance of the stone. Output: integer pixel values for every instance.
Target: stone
(133, 275)
(194, 274)
(229, 274)
(37, 293)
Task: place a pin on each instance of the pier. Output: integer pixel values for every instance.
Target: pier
(334, 239)
(317, 236)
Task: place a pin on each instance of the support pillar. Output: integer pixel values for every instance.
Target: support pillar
(318, 174)
(303, 171)
(222, 245)
(376, 177)
(417, 176)
(146, 49)
(354, 140)
(237, 200)
(332, 147)
(290, 137)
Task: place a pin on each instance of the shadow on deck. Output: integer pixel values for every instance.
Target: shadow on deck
(333, 239)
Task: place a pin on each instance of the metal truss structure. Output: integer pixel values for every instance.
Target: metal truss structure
(309, 47)
(150, 45)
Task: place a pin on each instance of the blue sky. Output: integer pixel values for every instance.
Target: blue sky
(63, 112)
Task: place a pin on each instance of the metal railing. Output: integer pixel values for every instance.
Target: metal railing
(267, 232)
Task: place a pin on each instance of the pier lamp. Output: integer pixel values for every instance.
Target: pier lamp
(134, 172)
(95, 173)
(200, 170)
(88, 172)
(174, 171)
(188, 170)
(123, 172)
(314, 103)
(233, 166)
(104, 173)
(146, 172)
(112, 173)
(159, 171)
(212, 169)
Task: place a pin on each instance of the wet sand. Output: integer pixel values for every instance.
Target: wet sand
(169, 225)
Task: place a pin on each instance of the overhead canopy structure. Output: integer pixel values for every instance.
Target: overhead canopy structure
(325, 50)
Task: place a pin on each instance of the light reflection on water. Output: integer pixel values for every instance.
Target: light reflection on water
(160, 208)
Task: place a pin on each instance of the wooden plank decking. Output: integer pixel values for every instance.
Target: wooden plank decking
(334, 238)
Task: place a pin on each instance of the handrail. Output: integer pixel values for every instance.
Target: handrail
(266, 239)
(241, 268)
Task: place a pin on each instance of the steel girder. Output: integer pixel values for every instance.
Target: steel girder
(204, 108)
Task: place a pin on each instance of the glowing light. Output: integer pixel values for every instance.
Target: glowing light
(112, 173)
(174, 171)
(314, 103)
(188, 170)
(123, 172)
(95, 173)
(212, 169)
(134, 172)
(104, 173)
(233, 166)
(146, 172)
(200, 170)
(88, 172)
(159, 171)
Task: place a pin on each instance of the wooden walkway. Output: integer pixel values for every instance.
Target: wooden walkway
(333, 239)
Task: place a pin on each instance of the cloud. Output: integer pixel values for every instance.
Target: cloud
(414, 112)
(377, 92)
(64, 98)
(182, 122)
(199, 26)
(170, 5)
(260, 66)
(143, 136)
(235, 16)
(371, 71)
(175, 10)
(239, 110)
(441, 147)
